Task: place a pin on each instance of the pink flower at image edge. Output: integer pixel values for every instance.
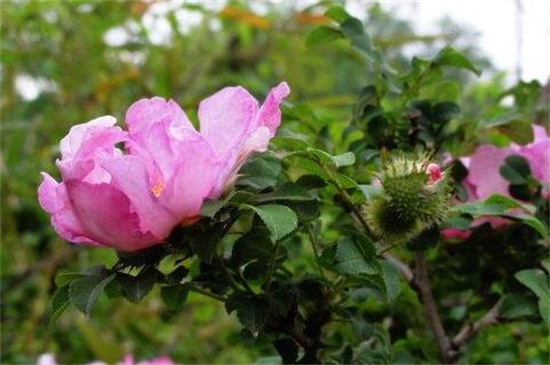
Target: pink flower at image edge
(484, 177)
(132, 199)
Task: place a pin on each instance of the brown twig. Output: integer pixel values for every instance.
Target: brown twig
(402, 267)
(470, 329)
(421, 283)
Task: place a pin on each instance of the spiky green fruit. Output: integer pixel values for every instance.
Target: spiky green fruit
(414, 197)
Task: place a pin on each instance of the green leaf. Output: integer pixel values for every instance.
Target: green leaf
(337, 13)
(135, 288)
(174, 296)
(85, 291)
(515, 305)
(260, 173)
(355, 257)
(66, 277)
(529, 220)
(211, 207)
(345, 159)
(59, 303)
(536, 280)
(515, 170)
(323, 34)
(251, 310)
(353, 29)
(512, 126)
(255, 245)
(449, 56)
(279, 219)
(391, 280)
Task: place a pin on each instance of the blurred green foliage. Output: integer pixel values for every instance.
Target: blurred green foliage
(91, 58)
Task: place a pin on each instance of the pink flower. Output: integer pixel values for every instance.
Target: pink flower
(484, 177)
(132, 199)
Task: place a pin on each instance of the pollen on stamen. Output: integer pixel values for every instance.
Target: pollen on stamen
(157, 189)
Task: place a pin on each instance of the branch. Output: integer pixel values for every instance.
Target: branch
(421, 283)
(403, 268)
(470, 329)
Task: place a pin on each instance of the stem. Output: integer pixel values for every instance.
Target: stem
(227, 274)
(470, 329)
(403, 268)
(314, 243)
(272, 266)
(422, 284)
(347, 201)
(205, 292)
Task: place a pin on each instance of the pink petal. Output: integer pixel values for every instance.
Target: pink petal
(484, 171)
(538, 155)
(130, 176)
(196, 171)
(53, 198)
(107, 216)
(145, 113)
(70, 144)
(226, 118)
(270, 114)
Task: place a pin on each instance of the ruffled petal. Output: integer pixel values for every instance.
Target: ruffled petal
(226, 118)
(130, 176)
(270, 115)
(71, 143)
(53, 198)
(484, 171)
(108, 216)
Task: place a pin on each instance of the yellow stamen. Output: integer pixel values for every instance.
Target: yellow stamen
(158, 188)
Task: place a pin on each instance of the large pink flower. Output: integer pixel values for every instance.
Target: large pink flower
(484, 177)
(131, 199)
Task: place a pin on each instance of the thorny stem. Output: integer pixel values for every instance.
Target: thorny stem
(421, 283)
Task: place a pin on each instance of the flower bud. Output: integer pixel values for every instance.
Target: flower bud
(414, 197)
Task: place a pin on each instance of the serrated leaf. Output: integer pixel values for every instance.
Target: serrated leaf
(323, 34)
(279, 219)
(449, 56)
(174, 296)
(59, 302)
(354, 258)
(85, 291)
